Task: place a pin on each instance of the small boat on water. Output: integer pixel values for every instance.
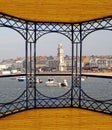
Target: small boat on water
(64, 83)
(82, 79)
(52, 83)
(39, 81)
(23, 79)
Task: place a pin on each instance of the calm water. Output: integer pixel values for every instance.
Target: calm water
(97, 88)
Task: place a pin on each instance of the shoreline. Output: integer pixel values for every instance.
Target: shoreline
(69, 73)
(99, 73)
(60, 74)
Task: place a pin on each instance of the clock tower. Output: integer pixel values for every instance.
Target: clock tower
(62, 65)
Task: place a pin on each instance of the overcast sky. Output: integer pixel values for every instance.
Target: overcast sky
(12, 44)
(98, 43)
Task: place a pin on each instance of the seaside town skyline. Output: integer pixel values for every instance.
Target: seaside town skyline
(96, 50)
(60, 62)
(12, 46)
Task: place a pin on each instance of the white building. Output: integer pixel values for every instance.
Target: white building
(3, 67)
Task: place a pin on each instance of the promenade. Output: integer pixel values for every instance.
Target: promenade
(69, 73)
(99, 73)
(61, 74)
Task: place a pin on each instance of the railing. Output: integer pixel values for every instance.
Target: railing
(13, 95)
(95, 94)
(76, 95)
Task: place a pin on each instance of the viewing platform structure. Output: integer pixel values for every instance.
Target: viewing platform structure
(75, 97)
(76, 31)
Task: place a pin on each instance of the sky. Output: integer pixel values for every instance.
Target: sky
(98, 43)
(12, 44)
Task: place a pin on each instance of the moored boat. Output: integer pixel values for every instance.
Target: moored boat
(64, 83)
(52, 83)
(22, 79)
(39, 81)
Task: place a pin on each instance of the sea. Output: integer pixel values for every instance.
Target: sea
(97, 88)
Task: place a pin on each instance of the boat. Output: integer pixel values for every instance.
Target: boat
(52, 83)
(22, 79)
(39, 81)
(83, 78)
(64, 83)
